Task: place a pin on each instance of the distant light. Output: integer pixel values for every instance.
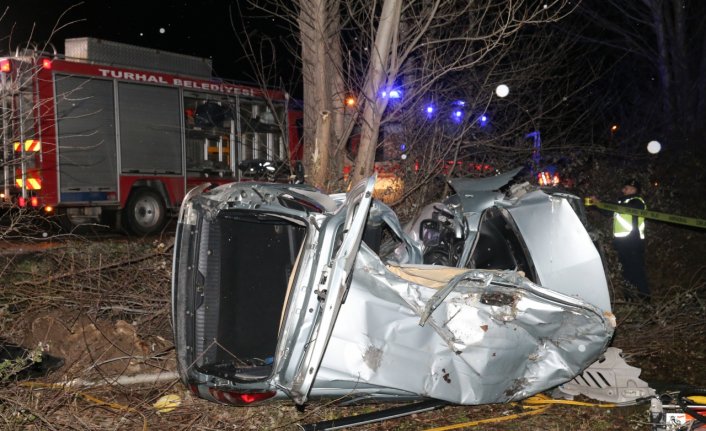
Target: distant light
(350, 101)
(483, 120)
(162, 30)
(548, 179)
(403, 147)
(502, 90)
(614, 128)
(654, 147)
(430, 109)
(458, 114)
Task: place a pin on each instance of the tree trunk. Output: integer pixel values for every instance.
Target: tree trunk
(701, 84)
(339, 132)
(663, 69)
(682, 85)
(378, 75)
(317, 29)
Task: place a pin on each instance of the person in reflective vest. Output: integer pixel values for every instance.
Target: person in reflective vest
(628, 240)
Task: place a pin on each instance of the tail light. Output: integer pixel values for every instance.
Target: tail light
(240, 398)
(5, 66)
(46, 63)
(34, 201)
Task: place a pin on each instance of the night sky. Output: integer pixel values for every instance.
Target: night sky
(196, 27)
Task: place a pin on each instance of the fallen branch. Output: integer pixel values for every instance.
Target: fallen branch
(138, 379)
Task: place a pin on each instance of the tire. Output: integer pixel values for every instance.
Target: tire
(63, 222)
(145, 212)
(77, 224)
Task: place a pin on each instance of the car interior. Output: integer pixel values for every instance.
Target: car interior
(249, 261)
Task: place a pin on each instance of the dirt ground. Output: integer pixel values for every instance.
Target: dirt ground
(99, 346)
(103, 307)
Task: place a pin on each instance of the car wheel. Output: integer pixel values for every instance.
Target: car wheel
(145, 212)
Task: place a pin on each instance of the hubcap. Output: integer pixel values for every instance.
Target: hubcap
(147, 212)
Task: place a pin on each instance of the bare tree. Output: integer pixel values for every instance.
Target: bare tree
(658, 47)
(433, 48)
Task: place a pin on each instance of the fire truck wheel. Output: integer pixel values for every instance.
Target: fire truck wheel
(145, 212)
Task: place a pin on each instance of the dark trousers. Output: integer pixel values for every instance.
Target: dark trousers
(631, 254)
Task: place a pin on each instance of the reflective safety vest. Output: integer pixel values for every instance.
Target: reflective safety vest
(622, 223)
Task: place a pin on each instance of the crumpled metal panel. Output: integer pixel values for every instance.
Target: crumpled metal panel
(563, 253)
(497, 337)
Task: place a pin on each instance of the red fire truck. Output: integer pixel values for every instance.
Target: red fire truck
(116, 133)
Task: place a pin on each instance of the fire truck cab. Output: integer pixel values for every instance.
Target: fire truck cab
(115, 133)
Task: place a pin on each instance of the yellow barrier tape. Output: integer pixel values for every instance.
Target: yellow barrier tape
(654, 215)
(543, 401)
(533, 405)
(531, 410)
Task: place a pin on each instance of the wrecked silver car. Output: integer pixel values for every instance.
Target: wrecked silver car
(280, 291)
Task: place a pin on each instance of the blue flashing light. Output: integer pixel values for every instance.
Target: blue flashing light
(460, 103)
(429, 110)
(457, 115)
(394, 93)
(403, 147)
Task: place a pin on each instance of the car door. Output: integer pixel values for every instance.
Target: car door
(332, 262)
